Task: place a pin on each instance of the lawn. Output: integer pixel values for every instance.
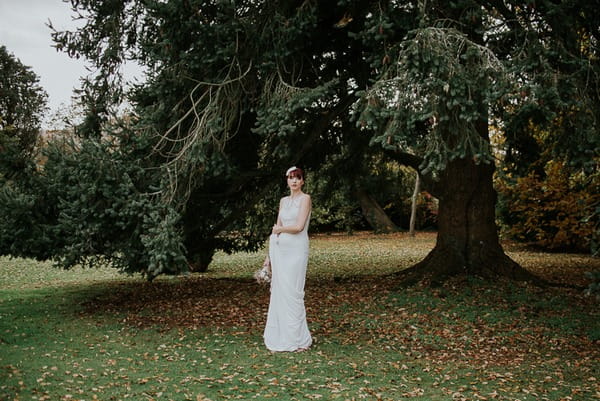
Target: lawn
(98, 335)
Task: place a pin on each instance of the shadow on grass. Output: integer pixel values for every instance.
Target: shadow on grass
(365, 309)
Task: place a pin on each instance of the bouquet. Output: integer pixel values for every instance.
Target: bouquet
(263, 275)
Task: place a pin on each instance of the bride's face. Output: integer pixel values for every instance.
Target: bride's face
(295, 182)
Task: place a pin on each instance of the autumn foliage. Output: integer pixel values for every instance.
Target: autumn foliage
(555, 210)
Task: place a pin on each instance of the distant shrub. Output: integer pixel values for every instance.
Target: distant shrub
(556, 211)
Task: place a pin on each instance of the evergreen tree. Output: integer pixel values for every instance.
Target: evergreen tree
(237, 91)
(467, 64)
(22, 105)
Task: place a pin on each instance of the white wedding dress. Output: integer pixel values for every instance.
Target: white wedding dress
(286, 328)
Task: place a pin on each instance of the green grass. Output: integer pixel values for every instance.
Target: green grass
(94, 334)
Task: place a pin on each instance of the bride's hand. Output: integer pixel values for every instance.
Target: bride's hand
(276, 229)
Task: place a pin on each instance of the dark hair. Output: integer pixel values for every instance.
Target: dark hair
(296, 172)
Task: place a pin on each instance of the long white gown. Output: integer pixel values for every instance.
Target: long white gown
(286, 328)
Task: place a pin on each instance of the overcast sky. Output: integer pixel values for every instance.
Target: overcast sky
(24, 32)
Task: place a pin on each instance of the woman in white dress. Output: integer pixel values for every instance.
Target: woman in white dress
(286, 328)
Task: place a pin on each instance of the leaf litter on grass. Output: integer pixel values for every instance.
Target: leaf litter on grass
(441, 330)
(374, 340)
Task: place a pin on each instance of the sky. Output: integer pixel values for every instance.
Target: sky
(24, 32)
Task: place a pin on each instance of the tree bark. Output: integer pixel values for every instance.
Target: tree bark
(374, 214)
(200, 257)
(413, 208)
(467, 240)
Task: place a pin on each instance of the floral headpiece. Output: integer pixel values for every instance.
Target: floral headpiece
(289, 170)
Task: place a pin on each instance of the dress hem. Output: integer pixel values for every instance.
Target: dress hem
(289, 349)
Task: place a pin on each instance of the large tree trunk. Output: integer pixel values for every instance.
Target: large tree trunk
(467, 241)
(374, 214)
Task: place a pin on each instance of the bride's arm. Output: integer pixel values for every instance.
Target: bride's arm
(298, 226)
(279, 223)
(267, 262)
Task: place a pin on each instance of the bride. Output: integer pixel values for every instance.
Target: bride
(286, 328)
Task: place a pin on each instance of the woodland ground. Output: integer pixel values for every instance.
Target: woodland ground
(97, 335)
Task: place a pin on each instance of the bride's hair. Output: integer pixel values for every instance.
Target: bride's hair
(295, 172)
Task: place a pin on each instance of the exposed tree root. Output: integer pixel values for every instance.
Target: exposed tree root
(443, 264)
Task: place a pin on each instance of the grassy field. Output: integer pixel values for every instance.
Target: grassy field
(97, 335)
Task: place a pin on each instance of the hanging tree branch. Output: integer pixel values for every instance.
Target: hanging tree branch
(435, 71)
(215, 117)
